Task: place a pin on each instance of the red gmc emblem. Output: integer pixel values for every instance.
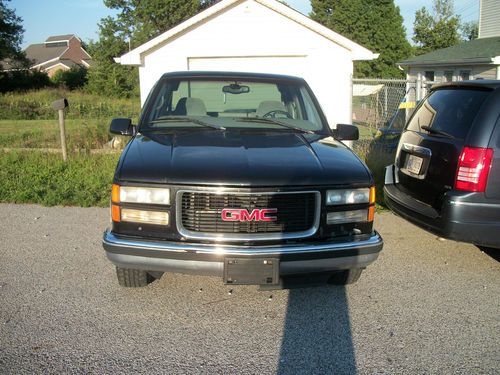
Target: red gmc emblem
(236, 214)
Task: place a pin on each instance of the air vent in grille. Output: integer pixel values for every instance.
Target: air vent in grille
(201, 212)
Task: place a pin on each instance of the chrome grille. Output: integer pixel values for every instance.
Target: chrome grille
(199, 214)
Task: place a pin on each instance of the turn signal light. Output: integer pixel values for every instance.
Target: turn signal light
(372, 195)
(115, 193)
(115, 213)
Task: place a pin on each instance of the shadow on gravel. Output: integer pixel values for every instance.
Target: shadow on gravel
(317, 336)
(494, 253)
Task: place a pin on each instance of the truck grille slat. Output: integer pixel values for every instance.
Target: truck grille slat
(201, 212)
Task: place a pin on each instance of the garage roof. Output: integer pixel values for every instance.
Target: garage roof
(358, 52)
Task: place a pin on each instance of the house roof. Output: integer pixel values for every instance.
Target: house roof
(358, 52)
(483, 50)
(40, 53)
(59, 38)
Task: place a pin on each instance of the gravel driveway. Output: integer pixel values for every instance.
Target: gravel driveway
(426, 306)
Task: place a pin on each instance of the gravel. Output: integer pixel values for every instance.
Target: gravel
(426, 306)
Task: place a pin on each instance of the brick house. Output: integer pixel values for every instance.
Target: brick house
(59, 52)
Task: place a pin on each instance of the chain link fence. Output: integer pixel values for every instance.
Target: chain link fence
(380, 109)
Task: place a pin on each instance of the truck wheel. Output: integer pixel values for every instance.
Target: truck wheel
(345, 277)
(131, 278)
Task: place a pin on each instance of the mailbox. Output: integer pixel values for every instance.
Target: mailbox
(59, 104)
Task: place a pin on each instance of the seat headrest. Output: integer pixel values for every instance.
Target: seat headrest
(269, 106)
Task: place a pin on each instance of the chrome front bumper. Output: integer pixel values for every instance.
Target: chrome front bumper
(204, 259)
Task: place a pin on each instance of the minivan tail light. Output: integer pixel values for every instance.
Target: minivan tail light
(473, 169)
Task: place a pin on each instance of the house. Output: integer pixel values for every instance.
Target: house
(479, 58)
(256, 36)
(56, 53)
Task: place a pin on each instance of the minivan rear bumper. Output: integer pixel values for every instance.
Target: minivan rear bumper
(463, 217)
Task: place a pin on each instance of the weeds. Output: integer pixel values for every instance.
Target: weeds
(33, 177)
(33, 105)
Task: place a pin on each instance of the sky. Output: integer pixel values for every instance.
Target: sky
(55, 17)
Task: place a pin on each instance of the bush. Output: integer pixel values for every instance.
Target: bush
(33, 177)
(23, 80)
(72, 79)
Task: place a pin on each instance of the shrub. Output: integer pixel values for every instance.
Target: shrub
(72, 79)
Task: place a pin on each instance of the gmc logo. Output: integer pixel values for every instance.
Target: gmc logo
(235, 214)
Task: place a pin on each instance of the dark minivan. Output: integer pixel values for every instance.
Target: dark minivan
(446, 176)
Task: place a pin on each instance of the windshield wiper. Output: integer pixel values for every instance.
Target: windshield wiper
(275, 122)
(436, 131)
(187, 119)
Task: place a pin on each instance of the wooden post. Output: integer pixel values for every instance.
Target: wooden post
(59, 106)
(62, 130)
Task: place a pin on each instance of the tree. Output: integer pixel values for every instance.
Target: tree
(135, 23)
(470, 30)
(374, 24)
(437, 30)
(74, 78)
(11, 34)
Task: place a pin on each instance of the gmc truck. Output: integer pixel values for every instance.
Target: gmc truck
(240, 176)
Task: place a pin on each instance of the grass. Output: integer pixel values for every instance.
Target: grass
(34, 177)
(80, 134)
(36, 105)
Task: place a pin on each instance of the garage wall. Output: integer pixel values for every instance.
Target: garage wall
(252, 38)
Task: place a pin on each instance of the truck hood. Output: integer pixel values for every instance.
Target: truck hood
(240, 158)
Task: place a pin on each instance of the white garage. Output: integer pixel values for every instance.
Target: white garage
(262, 36)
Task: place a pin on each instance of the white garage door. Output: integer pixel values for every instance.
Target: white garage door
(291, 65)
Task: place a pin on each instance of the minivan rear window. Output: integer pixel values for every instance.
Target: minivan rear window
(451, 111)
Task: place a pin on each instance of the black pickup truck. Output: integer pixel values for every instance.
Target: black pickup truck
(238, 175)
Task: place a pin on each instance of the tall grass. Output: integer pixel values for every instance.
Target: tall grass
(33, 177)
(37, 105)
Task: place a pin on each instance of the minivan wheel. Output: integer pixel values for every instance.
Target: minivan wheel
(345, 277)
(131, 278)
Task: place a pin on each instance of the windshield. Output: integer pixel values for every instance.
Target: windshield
(225, 104)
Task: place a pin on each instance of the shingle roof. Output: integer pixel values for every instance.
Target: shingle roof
(476, 51)
(55, 38)
(39, 53)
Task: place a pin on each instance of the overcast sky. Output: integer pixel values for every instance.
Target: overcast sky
(52, 17)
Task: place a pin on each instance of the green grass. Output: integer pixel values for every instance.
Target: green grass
(80, 134)
(34, 177)
(36, 105)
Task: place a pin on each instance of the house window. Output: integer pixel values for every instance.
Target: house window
(465, 75)
(429, 75)
(448, 75)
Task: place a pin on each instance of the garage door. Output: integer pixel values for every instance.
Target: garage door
(291, 65)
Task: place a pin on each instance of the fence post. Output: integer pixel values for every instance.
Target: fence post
(418, 94)
(59, 106)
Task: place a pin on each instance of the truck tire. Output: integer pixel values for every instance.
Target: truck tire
(345, 277)
(131, 278)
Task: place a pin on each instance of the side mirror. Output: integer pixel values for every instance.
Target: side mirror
(346, 132)
(122, 126)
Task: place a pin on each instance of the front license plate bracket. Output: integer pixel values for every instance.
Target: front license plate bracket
(258, 271)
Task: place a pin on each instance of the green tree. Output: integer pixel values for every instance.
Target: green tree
(135, 23)
(470, 30)
(437, 30)
(74, 78)
(11, 34)
(374, 24)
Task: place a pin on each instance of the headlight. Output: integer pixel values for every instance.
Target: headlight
(145, 217)
(342, 217)
(130, 194)
(350, 196)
